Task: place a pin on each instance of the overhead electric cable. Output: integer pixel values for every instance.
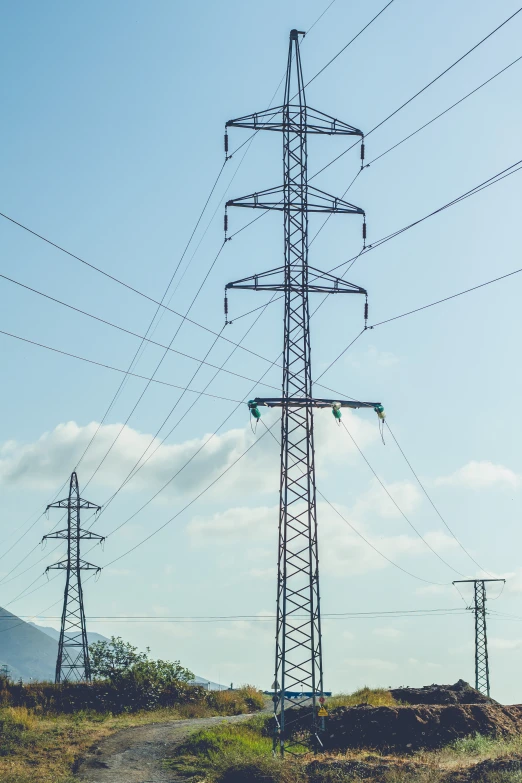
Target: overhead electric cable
(366, 541)
(348, 44)
(128, 331)
(399, 509)
(370, 614)
(115, 369)
(137, 467)
(406, 103)
(190, 503)
(446, 298)
(442, 113)
(498, 177)
(421, 485)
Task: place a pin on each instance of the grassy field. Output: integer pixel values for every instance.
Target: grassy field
(37, 748)
(235, 754)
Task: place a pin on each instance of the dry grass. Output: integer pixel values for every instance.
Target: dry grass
(37, 748)
(377, 697)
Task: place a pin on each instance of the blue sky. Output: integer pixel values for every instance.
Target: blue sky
(112, 138)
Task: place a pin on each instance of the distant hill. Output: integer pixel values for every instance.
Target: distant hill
(27, 651)
(30, 650)
(54, 634)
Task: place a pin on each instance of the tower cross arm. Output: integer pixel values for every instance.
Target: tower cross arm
(316, 201)
(64, 503)
(321, 283)
(63, 565)
(313, 402)
(280, 117)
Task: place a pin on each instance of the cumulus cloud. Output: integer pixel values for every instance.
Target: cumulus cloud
(40, 464)
(371, 663)
(342, 551)
(372, 357)
(387, 633)
(481, 474)
(504, 644)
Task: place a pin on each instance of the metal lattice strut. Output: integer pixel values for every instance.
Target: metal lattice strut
(72, 663)
(481, 636)
(298, 660)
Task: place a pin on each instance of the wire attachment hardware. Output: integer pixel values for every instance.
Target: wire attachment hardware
(227, 322)
(366, 313)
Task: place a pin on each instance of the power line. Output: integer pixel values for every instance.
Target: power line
(445, 71)
(421, 485)
(367, 541)
(442, 113)
(137, 467)
(260, 618)
(115, 369)
(187, 505)
(126, 331)
(349, 43)
(401, 512)
(446, 299)
(250, 138)
(493, 180)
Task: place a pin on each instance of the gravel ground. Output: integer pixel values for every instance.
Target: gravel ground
(136, 755)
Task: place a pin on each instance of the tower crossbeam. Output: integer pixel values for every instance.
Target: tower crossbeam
(72, 663)
(298, 658)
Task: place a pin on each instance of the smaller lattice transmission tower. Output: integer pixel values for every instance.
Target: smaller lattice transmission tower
(73, 663)
(481, 636)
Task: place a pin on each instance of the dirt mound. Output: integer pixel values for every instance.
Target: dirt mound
(479, 772)
(405, 729)
(460, 693)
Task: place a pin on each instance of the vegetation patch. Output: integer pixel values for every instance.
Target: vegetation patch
(243, 752)
(45, 728)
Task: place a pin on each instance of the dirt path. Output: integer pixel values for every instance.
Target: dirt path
(136, 755)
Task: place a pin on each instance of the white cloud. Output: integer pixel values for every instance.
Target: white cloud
(424, 664)
(504, 644)
(387, 633)
(436, 590)
(43, 463)
(372, 357)
(371, 663)
(481, 474)
(342, 551)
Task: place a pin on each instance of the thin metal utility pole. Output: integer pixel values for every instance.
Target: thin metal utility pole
(481, 637)
(72, 663)
(298, 677)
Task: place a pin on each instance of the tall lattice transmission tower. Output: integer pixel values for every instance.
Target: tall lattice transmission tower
(481, 635)
(298, 661)
(72, 663)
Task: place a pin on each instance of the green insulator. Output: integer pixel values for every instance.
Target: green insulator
(337, 413)
(254, 410)
(379, 409)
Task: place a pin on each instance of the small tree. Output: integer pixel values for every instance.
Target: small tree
(112, 660)
(117, 660)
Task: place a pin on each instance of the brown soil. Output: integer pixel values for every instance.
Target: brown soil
(460, 693)
(411, 728)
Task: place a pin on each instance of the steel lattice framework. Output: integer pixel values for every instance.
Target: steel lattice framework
(72, 663)
(481, 636)
(298, 660)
